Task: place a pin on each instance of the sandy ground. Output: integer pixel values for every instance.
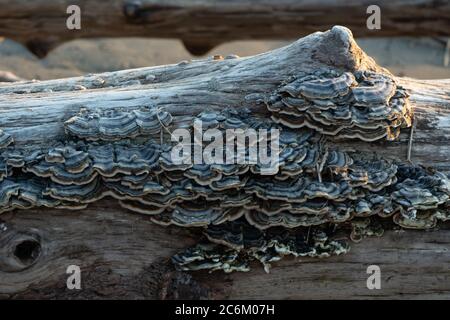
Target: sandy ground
(414, 57)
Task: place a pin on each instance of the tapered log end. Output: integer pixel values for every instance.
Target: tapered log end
(338, 49)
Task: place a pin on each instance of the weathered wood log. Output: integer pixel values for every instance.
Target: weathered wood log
(125, 255)
(201, 25)
(34, 112)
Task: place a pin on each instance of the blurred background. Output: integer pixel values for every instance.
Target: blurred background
(75, 37)
(421, 57)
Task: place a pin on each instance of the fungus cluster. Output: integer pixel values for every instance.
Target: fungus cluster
(233, 245)
(244, 215)
(364, 105)
(114, 125)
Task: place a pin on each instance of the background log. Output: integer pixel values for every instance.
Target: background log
(124, 255)
(202, 24)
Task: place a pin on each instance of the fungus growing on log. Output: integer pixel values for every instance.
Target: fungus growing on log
(366, 105)
(117, 124)
(321, 189)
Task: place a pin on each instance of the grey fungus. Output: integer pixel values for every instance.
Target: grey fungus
(320, 87)
(113, 125)
(373, 88)
(366, 105)
(210, 257)
(245, 216)
(365, 227)
(235, 245)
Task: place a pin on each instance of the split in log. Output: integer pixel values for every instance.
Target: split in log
(328, 88)
(41, 24)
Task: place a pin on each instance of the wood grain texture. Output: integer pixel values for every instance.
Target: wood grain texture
(125, 256)
(202, 24)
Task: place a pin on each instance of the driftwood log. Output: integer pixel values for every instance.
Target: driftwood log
(124, 255)
(202, 24)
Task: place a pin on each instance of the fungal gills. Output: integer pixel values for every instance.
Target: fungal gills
(365, 105)
(126, 155)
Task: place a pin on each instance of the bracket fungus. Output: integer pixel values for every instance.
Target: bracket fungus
(247, 216)
(365, 105)
(115, 124)
(319, 193)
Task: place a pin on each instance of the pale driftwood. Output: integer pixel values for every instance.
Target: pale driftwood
(202, 24)
(124, 255)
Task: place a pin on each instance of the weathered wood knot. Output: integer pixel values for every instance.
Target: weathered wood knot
(19, 250)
